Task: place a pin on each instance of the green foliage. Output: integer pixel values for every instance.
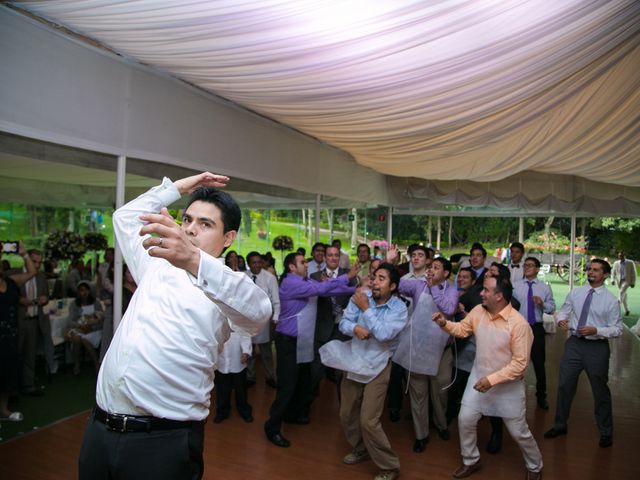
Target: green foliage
(95, 241)
(283, 242)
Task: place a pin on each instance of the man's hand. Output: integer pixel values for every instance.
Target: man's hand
(361, 332)
(21, 250)
(564, 324)
(392, 254)
(482, 385)
(205, 179)
(361, 300)
(439, 318)
(43, 300)
(537, 300)
(244, 358)
(353, 271)
(172, 242)
(587, 331)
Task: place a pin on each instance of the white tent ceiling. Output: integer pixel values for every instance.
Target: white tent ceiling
(456, 101)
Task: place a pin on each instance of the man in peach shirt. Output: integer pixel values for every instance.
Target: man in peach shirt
(496, 385)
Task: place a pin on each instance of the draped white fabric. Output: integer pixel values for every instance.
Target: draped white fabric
(449, 90)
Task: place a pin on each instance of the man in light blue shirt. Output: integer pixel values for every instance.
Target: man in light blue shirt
(536, 299)
(592, 315)
(374, 320)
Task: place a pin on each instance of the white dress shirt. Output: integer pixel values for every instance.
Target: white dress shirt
(269, 284)
(604, 312)
(313, 267)
(229, 359)
(165, 350)
(517, 273)
(540, 289)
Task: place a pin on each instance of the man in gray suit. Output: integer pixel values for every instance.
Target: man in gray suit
(34, 326)
(624, 276)
(329, 313)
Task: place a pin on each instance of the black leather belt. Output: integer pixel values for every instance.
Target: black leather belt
(131, 423)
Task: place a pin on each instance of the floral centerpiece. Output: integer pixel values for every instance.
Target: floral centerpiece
(95, 241)
(282, 243)
(64, 246)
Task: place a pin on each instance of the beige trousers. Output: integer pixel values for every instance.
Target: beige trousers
(360, 411)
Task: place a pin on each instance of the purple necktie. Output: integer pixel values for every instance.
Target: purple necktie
(531, 308)
(582, 321)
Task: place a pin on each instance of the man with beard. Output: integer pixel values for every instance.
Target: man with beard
(592, 315)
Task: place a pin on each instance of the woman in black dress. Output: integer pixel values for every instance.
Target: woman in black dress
(9, 359)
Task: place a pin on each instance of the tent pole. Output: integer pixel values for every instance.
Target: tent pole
(389, 224)
(317, 217)
(117, 268)
(521, 229)
(572, 252)
(439, 227)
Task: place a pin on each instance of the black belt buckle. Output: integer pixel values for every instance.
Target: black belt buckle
(117, 423)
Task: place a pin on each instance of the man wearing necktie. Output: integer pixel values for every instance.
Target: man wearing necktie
(592, 316)
(516, 269)
(536, 299)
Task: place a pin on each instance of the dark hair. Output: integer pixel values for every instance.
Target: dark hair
(412, 247)
(91, 299)
(290, 259)
(606, 267)
(503, 271)
(473, 273)
(318, 244)
(394, 274)
(229, 253)
(253, 254)
(517, 245)
(478, 246)
(503, 286)
(336, 240)
(302, 251)
(534, 260)
(229, 209)
(446, 264)
(427, 251)
(34, 251)
(364, 245)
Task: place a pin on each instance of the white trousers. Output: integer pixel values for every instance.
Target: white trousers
(517, 427)
(624, 286)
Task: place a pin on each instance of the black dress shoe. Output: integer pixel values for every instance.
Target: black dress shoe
(420, 444)
(302, 420)
(250, 383)
(394, 415)
(465, 470)
(277, 439)
(271, 382)
(35, 391)
(555, 432)
(219, 418)
(606, 441)
(542, 403)
(444, 434)
(495, 443)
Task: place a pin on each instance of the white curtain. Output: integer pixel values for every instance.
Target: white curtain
(455, 90)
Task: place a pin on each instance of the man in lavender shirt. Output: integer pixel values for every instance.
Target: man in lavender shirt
(294, 340)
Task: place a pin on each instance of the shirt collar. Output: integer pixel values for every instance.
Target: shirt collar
(503, 314)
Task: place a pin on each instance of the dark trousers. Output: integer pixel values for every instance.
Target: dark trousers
(454, 400)
(593, 357)
(161, 455)
(538, 358)
(224, 384)
(395, 392)
(293, 395)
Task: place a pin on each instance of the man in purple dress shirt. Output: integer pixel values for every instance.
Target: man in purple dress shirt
(294, 339)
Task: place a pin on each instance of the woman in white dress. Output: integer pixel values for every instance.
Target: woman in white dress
(86, 315)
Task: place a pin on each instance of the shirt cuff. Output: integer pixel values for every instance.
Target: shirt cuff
(210, 272)
(167, 192)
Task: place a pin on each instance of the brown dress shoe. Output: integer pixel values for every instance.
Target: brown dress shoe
(533, 475)
(466, 470)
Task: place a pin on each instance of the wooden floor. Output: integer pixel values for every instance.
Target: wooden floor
(236, 450)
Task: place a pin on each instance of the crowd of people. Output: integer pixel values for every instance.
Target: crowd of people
(457, 337)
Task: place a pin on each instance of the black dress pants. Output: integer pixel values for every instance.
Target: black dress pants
(538, 359)
(294, 392)
(160, 455)
(225, 384)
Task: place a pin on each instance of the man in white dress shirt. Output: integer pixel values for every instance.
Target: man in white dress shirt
(536, 299)
(516, 268)
(592, 315)
(153, 390)
(269, 283)
(624, 276)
